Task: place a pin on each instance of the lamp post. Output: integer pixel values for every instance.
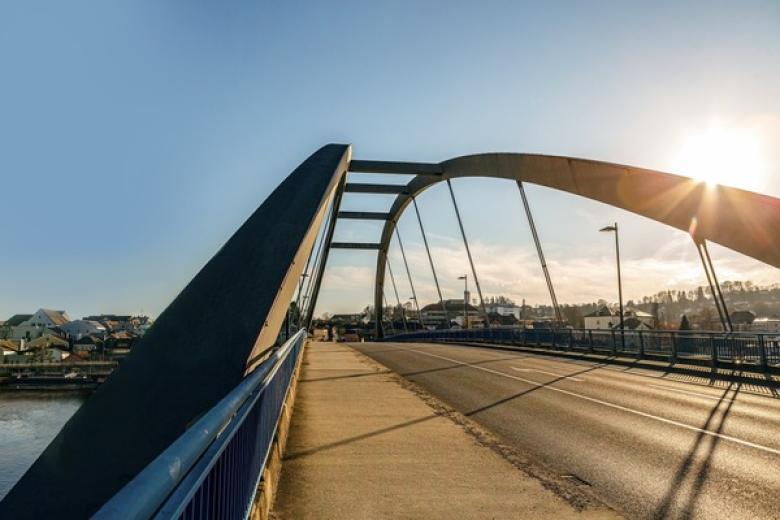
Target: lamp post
(608, 229)
(413, 298)
(465, 279)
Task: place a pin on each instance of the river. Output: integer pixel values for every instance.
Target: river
(28, 422)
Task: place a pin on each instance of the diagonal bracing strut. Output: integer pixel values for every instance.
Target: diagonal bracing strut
(430, 259)
(468, 253)
(408, 274)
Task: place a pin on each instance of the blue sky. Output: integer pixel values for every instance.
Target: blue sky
(137, 136)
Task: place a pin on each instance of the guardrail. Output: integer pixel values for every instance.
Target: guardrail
(752, 351)
(214, 468)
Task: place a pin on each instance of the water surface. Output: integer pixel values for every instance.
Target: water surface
(28, 422)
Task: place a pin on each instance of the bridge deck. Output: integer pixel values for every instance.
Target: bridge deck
(362, 445)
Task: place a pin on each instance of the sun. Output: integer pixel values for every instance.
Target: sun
(724, 155)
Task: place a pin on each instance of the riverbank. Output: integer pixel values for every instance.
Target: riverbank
(83, 376)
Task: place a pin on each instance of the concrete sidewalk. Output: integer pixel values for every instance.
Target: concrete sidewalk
(365, 444)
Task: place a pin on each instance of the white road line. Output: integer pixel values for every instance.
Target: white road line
(610, 405)
(570, 378)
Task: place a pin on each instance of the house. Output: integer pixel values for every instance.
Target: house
(55, 354)
(433, 315)
(499, 320)
(504, 309)
(6, 331)
(743, 320)
(605, 318)
(88, 343)
(48, 341)
(120, 341)
(634, 323)
(601, 319)
(39, 324)
(8, 347)
(48, 348)
(78, 328)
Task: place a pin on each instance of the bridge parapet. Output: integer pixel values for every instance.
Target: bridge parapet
(751, 352)
(213, 470)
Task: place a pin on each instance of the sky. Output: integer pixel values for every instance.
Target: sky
(137, 136)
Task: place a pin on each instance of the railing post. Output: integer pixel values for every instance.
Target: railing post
(762, 353)
(641, 345)
(713, 352)
(552, 343)
(614, 344)
(674, 347)
(590, 338)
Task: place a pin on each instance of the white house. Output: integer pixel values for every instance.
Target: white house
(605, 318)
(504, 309)
(38, 323)
(78, 328)
(434, 316)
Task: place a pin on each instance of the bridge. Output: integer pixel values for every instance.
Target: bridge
(195, 421)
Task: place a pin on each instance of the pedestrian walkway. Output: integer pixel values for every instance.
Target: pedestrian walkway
(361, 445)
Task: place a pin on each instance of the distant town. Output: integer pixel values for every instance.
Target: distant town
(47, 349)
(752, 308)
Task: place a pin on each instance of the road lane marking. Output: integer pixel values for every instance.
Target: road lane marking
(626, 409)
(571, 378)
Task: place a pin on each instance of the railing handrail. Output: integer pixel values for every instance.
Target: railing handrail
(146, 492)
(751, 350)
(720, 333)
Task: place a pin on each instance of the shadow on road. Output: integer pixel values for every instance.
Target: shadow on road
(526, 392)
(688, 469)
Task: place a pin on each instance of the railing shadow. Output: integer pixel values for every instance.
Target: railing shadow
(526, 392)
(356, 438)
(687, 469)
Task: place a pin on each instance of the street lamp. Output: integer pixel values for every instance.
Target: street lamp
(608, 229)
(417, 305)
(465, 279)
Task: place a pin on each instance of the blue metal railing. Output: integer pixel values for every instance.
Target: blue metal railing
(214, 468)
(752, 351)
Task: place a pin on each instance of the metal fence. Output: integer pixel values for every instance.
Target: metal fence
(214, 468)
(753, 351)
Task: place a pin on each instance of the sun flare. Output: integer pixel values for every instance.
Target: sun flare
(724, 155)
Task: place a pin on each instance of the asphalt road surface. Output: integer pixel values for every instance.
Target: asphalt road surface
(648, 445)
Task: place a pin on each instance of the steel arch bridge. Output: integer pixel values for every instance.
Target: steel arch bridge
(228, 317)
